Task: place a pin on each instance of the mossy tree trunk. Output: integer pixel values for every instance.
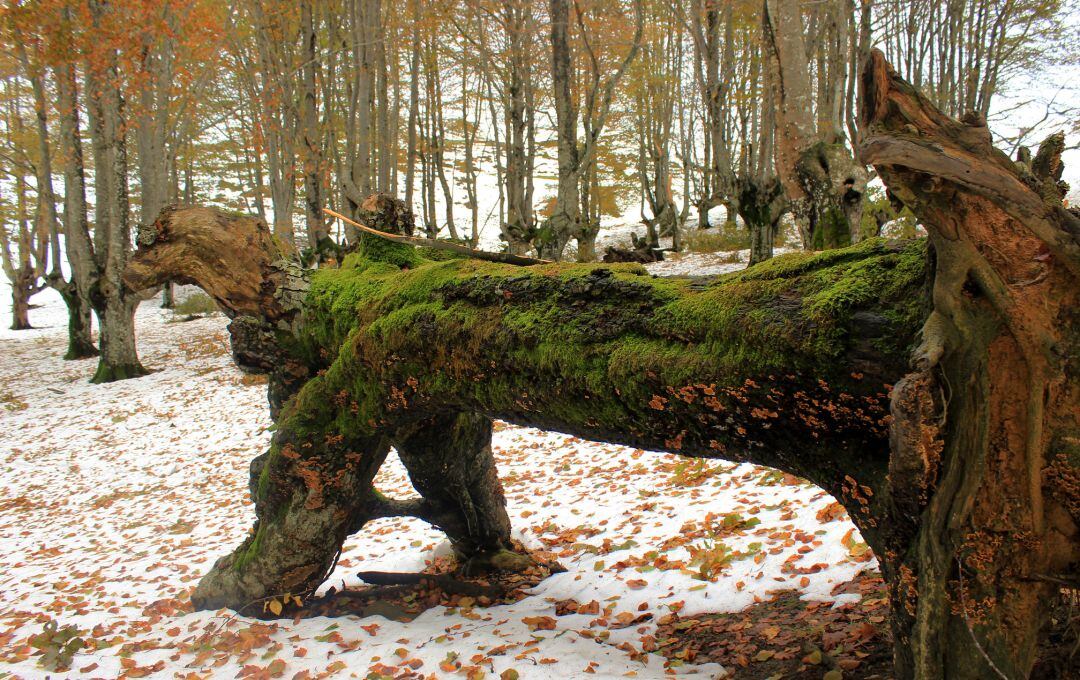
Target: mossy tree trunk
(761, 204)
(451, 465)
(80, 338)
(985, 463)
(787, 364)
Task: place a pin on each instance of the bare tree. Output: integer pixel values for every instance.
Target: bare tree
(819, 172)
(565, 221)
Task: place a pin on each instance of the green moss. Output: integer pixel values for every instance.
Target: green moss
(583, 343)
(263, 486)
(378, 249)
(831, 229)
(107, 373)
(250, 549)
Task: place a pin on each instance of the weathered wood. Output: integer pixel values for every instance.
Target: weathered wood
(234, 258)
(985, 458)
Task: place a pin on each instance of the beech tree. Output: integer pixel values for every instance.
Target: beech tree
(24, 253)
(821, 176)
(886, 372)
(565, 222)
(29, 50)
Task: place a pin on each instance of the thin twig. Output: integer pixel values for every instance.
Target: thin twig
(504, 258)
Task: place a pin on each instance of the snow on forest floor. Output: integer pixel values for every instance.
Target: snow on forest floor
(115, 499)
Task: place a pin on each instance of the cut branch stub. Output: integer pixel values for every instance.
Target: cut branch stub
(235, 259)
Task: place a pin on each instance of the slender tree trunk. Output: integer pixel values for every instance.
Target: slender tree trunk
(565, 219)
(517, 230)
(114, 304)
(381, 99)
(80, 343)
(78, 245)
(19, 266)
(414, 102)
(438, 135)
(311, 142)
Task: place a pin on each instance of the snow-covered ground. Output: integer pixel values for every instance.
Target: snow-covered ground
(115, 499)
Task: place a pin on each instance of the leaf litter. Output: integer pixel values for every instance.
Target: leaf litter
(115, 499)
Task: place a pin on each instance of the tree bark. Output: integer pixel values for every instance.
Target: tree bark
(564, 221)
(822, 179)
(113, 304)
(118, 359)
(25, 266)
(80, 344)
(78, 245)
(414, 100)
(518, 230)
(761, 205)
(80, 340)
(20, 307)
(311, 139)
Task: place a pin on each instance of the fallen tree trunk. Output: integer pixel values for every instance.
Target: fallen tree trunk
(787, 365)
(790, 364)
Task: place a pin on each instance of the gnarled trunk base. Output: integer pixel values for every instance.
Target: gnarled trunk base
(118, 359)
(20, 308)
